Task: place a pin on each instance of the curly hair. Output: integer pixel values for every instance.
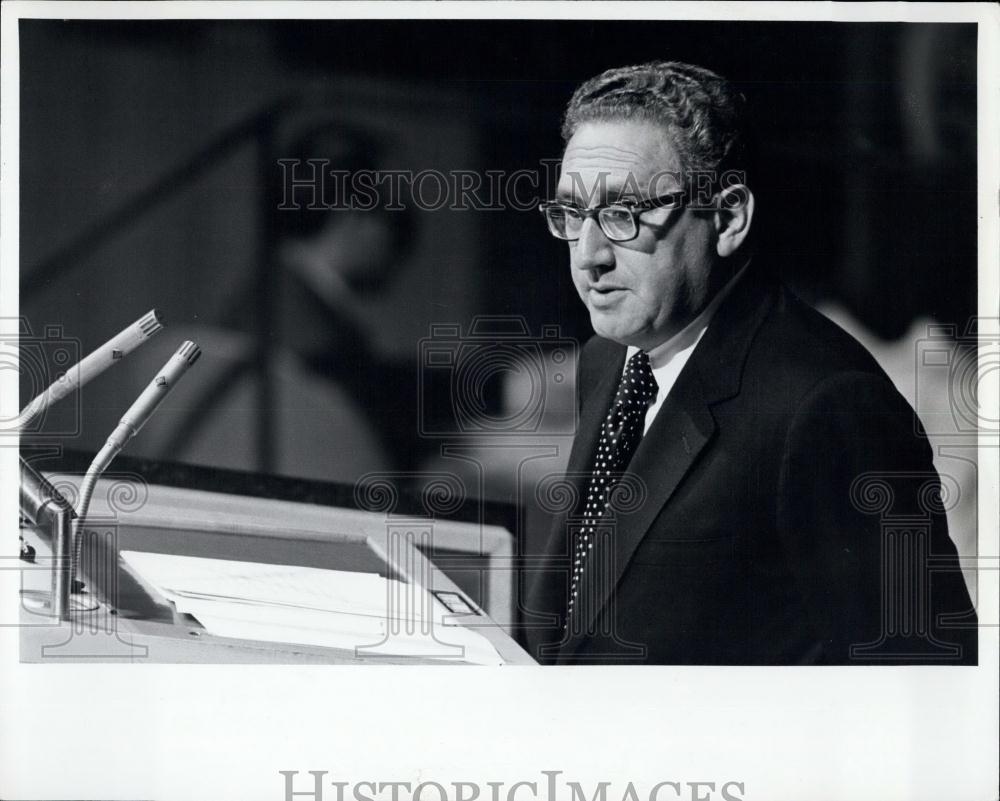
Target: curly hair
(704, 115)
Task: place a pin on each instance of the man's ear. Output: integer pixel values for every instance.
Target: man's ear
(733, 218)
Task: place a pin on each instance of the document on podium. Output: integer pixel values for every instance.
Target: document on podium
(360, 612)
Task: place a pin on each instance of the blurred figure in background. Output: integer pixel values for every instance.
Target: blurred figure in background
(329, 405)
(330, 261)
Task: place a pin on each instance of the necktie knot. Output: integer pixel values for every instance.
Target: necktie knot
(638, 387)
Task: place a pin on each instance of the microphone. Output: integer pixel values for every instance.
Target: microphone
(95, 363)
(152, 396)
(131, 422)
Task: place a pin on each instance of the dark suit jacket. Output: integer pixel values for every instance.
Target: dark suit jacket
(786, 511)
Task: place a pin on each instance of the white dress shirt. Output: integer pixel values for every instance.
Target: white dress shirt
(668, 358)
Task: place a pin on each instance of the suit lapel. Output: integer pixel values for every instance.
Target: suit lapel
(683, 428)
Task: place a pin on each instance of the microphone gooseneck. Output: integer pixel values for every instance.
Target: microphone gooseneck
(131, 422)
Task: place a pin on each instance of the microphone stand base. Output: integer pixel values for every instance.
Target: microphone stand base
(41, 601)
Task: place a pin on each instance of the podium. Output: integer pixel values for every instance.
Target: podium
(450, 568)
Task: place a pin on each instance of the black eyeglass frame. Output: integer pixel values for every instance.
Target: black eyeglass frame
(634, 207)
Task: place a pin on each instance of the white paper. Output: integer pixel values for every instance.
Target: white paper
(359, 612)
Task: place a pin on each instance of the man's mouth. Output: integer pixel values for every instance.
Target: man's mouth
(603, 296)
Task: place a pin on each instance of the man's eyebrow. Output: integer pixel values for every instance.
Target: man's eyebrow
(622, 193)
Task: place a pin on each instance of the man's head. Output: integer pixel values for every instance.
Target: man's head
(647, 133)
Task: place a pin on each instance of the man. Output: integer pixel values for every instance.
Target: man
(740, 462)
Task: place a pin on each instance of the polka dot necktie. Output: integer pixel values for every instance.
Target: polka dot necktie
(620, 434)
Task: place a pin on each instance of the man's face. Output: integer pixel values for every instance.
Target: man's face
(643, 291)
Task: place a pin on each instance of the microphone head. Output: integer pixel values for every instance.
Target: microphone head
(189, 352)
(144, 406)
(178, 364)
(149, 324)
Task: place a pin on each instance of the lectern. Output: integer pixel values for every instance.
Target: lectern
(178, 563)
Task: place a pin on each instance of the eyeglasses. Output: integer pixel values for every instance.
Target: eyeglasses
(618, 221)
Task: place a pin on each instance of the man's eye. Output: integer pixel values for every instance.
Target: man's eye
(618, 213)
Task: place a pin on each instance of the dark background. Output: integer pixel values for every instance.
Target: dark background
(145, 179)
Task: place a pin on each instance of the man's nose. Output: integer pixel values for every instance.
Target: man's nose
(593, 249)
